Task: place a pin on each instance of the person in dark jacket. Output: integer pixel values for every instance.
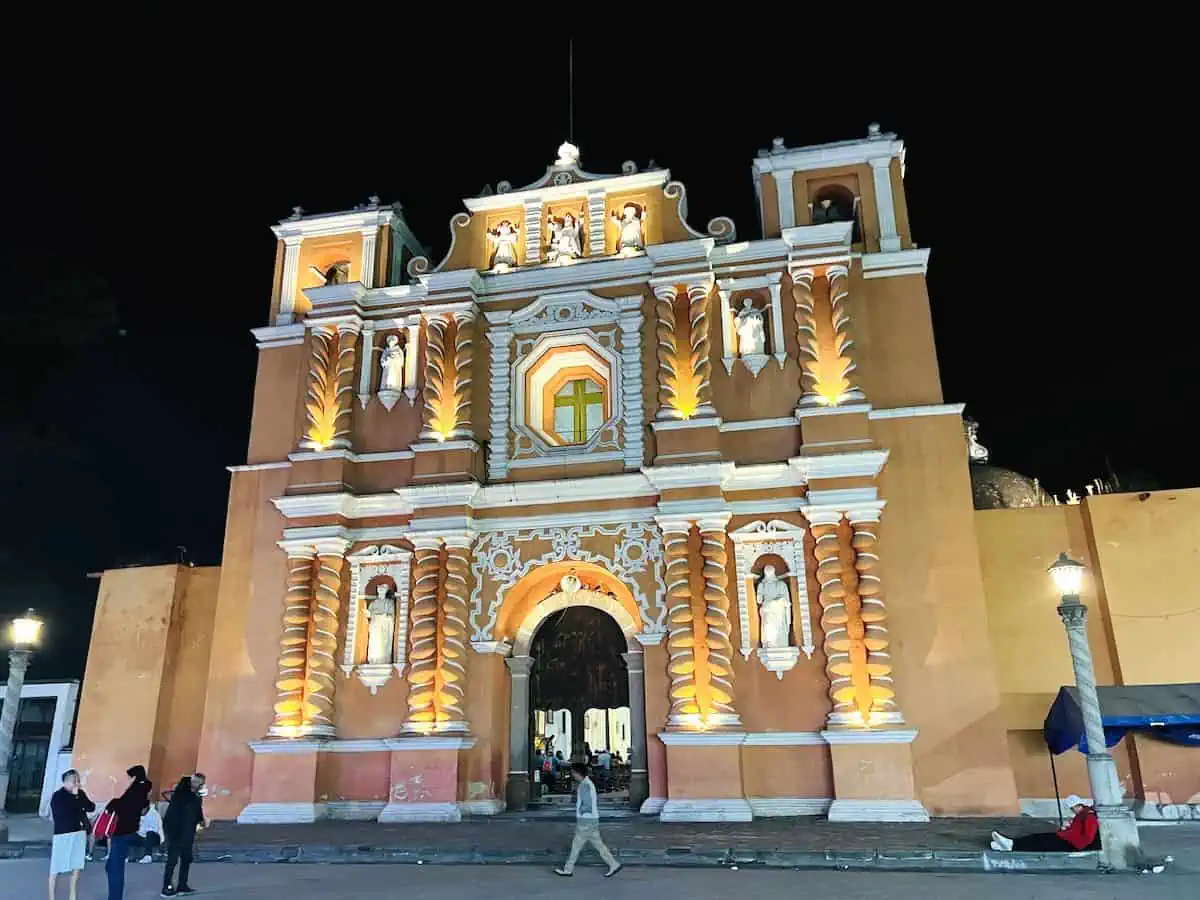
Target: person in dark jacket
(185, 815)
(128, 809)
(69, 807)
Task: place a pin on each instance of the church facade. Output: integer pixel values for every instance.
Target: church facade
(736, 450)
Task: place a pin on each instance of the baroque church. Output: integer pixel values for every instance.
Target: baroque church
(594, 459)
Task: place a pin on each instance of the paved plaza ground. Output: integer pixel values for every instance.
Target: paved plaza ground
(26, 879)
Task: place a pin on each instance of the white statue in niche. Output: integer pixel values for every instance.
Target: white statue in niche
(752, 336)
(382, 615)
(774, 610)
(632, 223)
(504, 238)
(566, 239)
(392, 363)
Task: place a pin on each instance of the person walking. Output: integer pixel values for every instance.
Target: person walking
(587, 824)
(69, 808)
(128, 809)
(185, 815)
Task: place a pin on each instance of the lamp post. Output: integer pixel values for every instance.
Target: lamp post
(1121, 846)
(24, 634)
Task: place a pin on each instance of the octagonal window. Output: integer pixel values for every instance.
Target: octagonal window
(578, 410)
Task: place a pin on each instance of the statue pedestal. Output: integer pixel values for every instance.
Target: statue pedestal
(425, 778)
(687, 440)
(283, 788)
(873, 775)
(778, 659)
(704, 777)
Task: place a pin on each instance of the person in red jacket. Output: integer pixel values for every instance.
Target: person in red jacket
(1081, 833)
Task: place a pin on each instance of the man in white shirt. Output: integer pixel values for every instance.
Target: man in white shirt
(587, 824)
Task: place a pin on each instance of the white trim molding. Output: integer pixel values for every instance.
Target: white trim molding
(785, 739)
(702, 738)
(870, 736)
(906, 412)
(877, 811)
(898, 262)
(768, 807)
(734, 809)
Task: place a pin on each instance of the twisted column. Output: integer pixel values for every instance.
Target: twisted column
(873, 613)
(322, 643)
(681, 637)
(423, 651)
(439, 417)
(806, 336)
(328, 402)
(451, 700)
(836, 614)
(667, 348)
(716, 618)
(699, 325)
(843, 344)
(463, 339)
(1074, 617)
(291, 680)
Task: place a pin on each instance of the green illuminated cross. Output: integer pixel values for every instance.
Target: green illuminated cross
(579, 399)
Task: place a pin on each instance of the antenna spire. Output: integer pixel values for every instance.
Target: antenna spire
(571, 90)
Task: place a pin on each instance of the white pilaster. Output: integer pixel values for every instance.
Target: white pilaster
(291, 273)
(412, 352)
(777, 345)
(596, 222)
(533, 231)
(787, 202)
(367, 355)
(501, 341)
(631, 387)
(370, 237)
(885, 204)
(726, 327)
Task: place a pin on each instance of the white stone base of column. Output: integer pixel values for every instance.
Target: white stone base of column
(653, 806)
(789, 806)
(877, 811)
(281, 813)
(354, 810)
(421, 812)
(725, 810)
(491, 807)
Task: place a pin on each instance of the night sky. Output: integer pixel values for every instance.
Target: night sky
(139, 188)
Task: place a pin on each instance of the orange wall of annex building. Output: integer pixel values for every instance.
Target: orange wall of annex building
(1140, 550)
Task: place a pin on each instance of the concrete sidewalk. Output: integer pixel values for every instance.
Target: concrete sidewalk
(802, 843)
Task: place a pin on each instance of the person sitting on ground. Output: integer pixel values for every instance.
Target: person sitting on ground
(149, 834)
(1081, 833)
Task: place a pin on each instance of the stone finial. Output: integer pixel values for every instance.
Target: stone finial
(373, 201)
(568, 155)
(873, 132)
(297, 213)
(777, 145)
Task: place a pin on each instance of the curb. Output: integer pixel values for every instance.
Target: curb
(670, 857)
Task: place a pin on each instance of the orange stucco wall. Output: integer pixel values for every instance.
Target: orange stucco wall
(937, 620)
(242, 666)
(137, 703)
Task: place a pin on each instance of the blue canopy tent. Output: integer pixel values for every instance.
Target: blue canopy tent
(1169, 712)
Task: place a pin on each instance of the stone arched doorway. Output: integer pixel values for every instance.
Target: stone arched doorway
(572, 600)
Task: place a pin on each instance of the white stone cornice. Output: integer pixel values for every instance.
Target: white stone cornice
(702, 738)
(759, 424)
(358, 220)
(785, 739)
(898, 262)
(259, 467)
(297, 548)
(870, 736)
(905, 412)
(816, 412)
(684, 424)
(589, 272)
(857, 464)
(680, 251)
(687, 476)
(823, 156)
(435, 446)
(713, 521)
(748, 256)
(270, 337)
(427, 496)
(429, 743)
(497, 648)
(306, 506)
(348, 294)
(332, 546)
(749, 282)
(463, 281)
(843, 498)
(459, 539)
(287, 746)
(349, 455)
(576, 188)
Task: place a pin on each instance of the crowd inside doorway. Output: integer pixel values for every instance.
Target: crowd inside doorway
(552, 769)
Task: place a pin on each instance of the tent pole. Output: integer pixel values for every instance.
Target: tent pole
(1054, 776)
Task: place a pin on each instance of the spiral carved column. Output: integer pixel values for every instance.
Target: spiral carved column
(452, 700)
(681, 637)
(423, 634)
(843, 344)
(322, 643)
(806, 336)
(463, 338)
(439, 418)
(328, 402)
(716, 617)
(699, 325)
(865, 542)
(292, 679)
(668, 352)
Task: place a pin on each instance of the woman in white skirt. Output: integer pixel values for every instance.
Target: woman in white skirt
(69, 807)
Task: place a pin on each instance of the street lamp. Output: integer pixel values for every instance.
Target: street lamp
(1120, 845)
(24, 635)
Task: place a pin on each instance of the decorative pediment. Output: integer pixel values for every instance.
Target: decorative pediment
(565, 310)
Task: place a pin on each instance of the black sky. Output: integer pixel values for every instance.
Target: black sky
(139, 187)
